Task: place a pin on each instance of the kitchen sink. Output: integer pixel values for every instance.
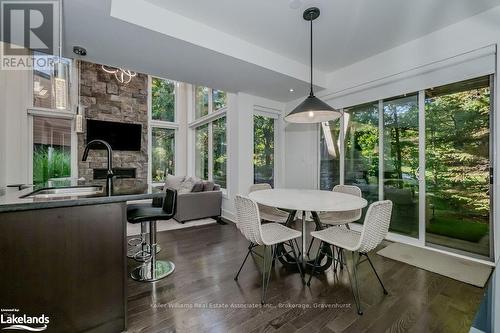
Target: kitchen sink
(64, 192)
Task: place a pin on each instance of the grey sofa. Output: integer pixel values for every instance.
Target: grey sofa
(196, 199)
(199, 205)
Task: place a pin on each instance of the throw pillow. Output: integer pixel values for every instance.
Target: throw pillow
(173, 182)
(198, 187)
(187, 185)
(208, 186)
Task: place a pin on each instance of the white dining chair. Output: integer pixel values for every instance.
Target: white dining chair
(340, 218)
(375, 228)
(268, 213)
(345, 217)
(270, 234)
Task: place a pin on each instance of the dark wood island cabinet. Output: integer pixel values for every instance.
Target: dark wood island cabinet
(66, 261)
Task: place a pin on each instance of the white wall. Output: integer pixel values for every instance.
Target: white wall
(471, 34)
(15, 100)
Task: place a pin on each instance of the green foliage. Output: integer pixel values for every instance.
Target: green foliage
(163, 99)
(263, 157)
(163, 153)
(457, 160)
(50, 162)
(457, 152)
(219, 151)
(201, 159)
(219, 99)
(201, 101)
(450, 225)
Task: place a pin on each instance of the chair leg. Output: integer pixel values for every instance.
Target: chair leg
(375, 271)
(336, 259)
(310, 245)
(315, 263)
(244, 261)
(340, 252)
(354, 282)
(299, 264)
(265, 281)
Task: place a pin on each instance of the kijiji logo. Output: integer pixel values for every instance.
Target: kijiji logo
(24, 322)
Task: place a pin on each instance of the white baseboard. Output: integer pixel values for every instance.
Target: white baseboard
(228, 215)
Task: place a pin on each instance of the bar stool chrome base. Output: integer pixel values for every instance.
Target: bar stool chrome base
(141, 253)
(144, 273)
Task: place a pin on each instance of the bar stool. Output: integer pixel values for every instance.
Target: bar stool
(138, 246)
(152, 270)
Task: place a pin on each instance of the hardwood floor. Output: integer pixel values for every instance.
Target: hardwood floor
(208, 257)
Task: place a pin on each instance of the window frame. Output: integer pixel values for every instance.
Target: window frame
(152, 123)
(276, 116)
(70, 113)
(207, 119)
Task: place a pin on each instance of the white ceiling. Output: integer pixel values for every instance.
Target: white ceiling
(254, 46)
(346, 32)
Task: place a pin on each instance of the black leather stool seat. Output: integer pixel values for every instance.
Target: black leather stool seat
(146, 213)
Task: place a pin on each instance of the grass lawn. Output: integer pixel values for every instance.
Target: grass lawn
(448, 225)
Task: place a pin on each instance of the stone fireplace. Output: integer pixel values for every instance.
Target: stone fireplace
(104, 98)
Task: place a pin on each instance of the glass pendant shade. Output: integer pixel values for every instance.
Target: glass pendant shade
(61, 85)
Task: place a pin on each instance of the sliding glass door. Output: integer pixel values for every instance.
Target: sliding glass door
(400, 161)
(428, 152)
(361, 145)
(457, 154)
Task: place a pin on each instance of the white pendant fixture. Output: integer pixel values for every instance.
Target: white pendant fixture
(312, 109)
(121, 75)
(61, 73)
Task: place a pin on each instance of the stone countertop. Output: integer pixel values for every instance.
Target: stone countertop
(12, 200)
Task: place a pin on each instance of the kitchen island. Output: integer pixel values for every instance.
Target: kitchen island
(65, 258)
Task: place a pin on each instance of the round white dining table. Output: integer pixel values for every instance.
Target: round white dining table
(308, 201)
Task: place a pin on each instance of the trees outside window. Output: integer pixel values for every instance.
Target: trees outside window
(163, 153)
(162, 100)
(163, 128)
(263, 157)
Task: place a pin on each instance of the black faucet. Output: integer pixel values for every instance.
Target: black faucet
(110, 175)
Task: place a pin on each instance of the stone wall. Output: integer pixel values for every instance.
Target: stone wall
(104, 98)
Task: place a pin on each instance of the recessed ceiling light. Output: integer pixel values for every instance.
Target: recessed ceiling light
(291, 90)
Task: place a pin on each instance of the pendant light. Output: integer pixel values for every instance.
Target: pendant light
(312, 110)
(61, 73)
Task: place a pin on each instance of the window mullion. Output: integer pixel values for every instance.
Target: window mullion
(210, 152)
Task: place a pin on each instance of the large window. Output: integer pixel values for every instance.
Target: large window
(162, 100)
(457, 135)
(219, 147)
(207, 100)
(329, 172)
(263, 151)
(52, 138)
(201, 152)
(163, 128)
(51, 152)
(163, 153)
(361, 149)
(210, 160)
(401, 162)
(434, 165)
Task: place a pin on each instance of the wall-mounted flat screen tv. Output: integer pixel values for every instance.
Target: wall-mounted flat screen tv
(121, 136)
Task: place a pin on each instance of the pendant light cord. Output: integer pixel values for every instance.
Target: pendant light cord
(311, 93)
